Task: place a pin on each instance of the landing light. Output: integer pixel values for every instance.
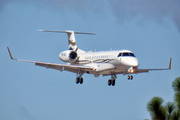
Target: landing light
(131, 70)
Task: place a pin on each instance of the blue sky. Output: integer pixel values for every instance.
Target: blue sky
(150, 29)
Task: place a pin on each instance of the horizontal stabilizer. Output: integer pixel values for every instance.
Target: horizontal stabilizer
(67, 31)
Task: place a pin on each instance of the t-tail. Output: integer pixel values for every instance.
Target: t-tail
(71, 38)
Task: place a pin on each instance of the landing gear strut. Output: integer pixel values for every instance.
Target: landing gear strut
(112, 80)
(130, 77)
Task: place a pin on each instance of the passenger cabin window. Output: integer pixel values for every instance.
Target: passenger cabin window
(125, 54)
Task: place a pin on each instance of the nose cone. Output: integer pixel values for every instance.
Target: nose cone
(134, 62)
(131, 62)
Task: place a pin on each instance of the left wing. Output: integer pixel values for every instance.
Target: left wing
(132, 70)
(71, 68)
(147, 70)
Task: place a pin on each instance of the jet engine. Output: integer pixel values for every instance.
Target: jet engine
(69, 56)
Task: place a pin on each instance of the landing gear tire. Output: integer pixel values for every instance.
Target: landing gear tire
(77, 80)
(81, 80)
(113, 82)
(109, 82)
(130, 77)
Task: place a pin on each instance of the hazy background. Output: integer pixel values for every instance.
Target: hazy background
(150, 29)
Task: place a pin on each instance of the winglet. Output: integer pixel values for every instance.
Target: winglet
(170, 63)
(10, 53)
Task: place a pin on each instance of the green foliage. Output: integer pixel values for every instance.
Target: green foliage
(171, 111)
(176, 85)
(175, 116)
(177, 99)
(170, 108)
(156, 109)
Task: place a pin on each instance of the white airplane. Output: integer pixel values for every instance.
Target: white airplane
(97, 63)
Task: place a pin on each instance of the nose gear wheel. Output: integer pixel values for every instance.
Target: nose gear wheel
(130, 77)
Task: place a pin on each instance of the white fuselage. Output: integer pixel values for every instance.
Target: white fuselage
(105, 61)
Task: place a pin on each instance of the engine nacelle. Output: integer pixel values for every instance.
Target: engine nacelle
(69, 56)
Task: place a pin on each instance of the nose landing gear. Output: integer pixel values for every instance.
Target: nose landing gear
(130, 77)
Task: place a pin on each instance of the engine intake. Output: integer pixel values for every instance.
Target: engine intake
(68, 56)
(72, 55)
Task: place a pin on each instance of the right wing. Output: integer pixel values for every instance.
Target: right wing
(61, 67)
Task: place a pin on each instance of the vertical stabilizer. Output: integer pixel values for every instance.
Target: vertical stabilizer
(71, 38)
(71, 41)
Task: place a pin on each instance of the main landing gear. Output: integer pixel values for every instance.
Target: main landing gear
(112, 81)
(79, 78)
(130, 77)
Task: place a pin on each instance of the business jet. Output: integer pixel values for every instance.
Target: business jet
(105, 63)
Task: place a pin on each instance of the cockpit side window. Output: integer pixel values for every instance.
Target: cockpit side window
(120, 54)
(131, 54)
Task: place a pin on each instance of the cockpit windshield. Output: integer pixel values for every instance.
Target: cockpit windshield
(125, 54)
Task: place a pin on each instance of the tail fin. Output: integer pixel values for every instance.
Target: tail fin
(71, 41)
(71, 37)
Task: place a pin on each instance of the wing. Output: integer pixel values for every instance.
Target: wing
(147, 70)
(136, 71)
(61, 67)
